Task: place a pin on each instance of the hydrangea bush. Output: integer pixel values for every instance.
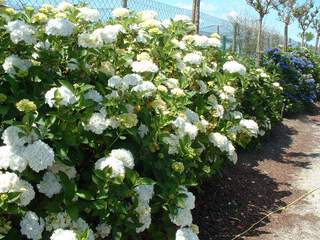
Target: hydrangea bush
(262, 98)
(297, 72)
(107, 125)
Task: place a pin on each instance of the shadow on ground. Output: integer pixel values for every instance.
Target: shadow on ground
(230, 204)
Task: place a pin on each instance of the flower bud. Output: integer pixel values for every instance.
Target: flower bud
(25, 105)
(178, 167)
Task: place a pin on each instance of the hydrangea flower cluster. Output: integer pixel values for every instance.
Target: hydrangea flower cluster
(105, 122)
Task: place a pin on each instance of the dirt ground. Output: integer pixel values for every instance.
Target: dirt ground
(286, 166)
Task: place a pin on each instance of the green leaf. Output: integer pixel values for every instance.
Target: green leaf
(84, 194)
(73, 212)
(67, 85)
(68, 186)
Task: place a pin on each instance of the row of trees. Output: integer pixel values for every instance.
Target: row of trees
(306, 14)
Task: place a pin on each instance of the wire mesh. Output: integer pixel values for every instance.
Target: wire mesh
(208, 24)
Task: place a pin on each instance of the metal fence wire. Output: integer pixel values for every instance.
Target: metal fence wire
(208, 24)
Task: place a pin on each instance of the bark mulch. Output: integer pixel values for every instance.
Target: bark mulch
(259, 183)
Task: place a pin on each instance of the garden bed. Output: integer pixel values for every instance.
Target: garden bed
(230, 204)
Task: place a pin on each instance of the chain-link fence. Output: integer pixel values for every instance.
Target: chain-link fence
(208, 24)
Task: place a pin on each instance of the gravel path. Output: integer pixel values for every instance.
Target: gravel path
(285, 167)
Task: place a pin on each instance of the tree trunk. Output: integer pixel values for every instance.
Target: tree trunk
(198, 16)
(234, 39)
(286, 30)
(303, 38)
(317, 42)
(258, 49)
(125, 3)
(194, 9)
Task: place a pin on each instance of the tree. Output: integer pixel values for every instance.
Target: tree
(234, 20)
(316, 27)
(305, 15)
(196, 14)
(125, 3)
(285, 9)
(262, 7)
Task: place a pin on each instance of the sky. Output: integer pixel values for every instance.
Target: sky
(220, 8)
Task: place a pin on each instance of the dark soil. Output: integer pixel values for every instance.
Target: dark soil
(258, 184)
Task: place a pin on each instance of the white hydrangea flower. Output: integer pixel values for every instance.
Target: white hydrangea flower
(27, 192)
(16, 159)
(42, 45)
(61, 234)
(67, 96)
(146, 88)
(143, 130)
(14, 137)
(142, 36)
(179, 44)
(97, 123)
(108, 34)
(172, 83)
(250, 125)
(193, 58)
(214, 42)
(234, 67)
(59, 27)
(192, 116)
(147, 15)
(124, 156)
(185, 128)
(39, 155)
(173, 141)
(201, 41)
(93, 95)
(183, 18)
(189, 201)
(49, 185)
(117, 83)
(8, 182)
(5, 153)
(81, 226)
(20, 31)
(144, 66)
(117, 166)
(182, 218)
(224, 144)
(103, 230)
(150, 23)
(64, 6)
(229, 90)
(132, 79)
(13, 158)
(219, 140)
(237, 115)
(73, 64)
(120, 12)
(13, 62)
(186, 234)
(60, 167)
(145, 193)
(203, 87)
(219, 110)
(88, 14)
(144, 212)
(32, 226)
(90, 40)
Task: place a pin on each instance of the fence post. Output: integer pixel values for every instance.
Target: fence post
(125, 3)
(224, 42)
